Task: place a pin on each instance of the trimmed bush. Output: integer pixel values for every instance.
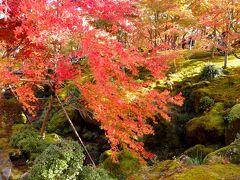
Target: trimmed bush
(29, 141)
(61, 160)
(64, 160)
(210, 71)
(91, 173)
(205, 103)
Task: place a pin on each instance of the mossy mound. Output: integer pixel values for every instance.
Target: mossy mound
(207, 128)
(234, 113)
(224, 88)
(127, 165)
(209, 172)
(230, 153)
(198, 151)
(176, 170)
(233, 128)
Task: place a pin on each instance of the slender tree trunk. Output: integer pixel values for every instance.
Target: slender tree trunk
(215, 39)
(225, 59)
(46, 118)
(75, 131)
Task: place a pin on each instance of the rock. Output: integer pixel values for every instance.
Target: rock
(198, 151)
(185, 159)
(127, 165)
(208, 128)
(230, 153)
(233, 128)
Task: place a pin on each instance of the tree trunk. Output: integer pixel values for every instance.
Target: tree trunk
(225, 60)
(46, 118)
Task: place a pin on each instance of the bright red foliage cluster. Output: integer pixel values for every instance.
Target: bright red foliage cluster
(35, 38)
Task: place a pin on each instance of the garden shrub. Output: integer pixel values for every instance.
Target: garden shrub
(205, 103)
(64, 160)
(210, 71)
(61, 160)
(91, 173)
(29, 141)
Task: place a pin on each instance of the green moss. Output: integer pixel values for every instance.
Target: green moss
(230, 153)
(188, 68)
(67, 90)
(52, 137)
(181, 172)
(59, 123)
(234, 114)
(212, 123)
(17, 127)
(209, 172)
(224, 88)
(198, 151)
(127, 165)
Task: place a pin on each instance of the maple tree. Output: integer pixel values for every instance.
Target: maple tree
(163, 23)
(219, 21)
(41, 37)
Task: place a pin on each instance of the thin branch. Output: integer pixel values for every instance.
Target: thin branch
(75, 131)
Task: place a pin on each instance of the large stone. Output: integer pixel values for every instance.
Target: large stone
(230, 153)
(208, 128)
(198, 151)
(233, 128)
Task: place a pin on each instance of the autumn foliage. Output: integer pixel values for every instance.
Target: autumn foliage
(40, 37)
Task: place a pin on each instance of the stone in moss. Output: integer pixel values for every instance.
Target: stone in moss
(233, 127)
(127, 165)
(198, 151)
(230, 153)
(234, 113)
(159, 170)
(232, 130)
(207, 128)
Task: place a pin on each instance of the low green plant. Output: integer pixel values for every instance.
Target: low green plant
(64, 160)
(196, 160)
(61, 160)
(91, 173)
(205, 103)
(29, 141)
(210, 71)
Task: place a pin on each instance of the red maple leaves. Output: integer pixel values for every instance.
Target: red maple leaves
(47, 33)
